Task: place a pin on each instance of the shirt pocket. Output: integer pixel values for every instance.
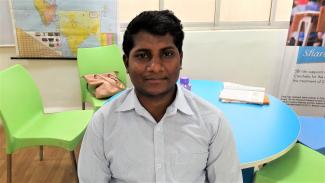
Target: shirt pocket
(189, 166)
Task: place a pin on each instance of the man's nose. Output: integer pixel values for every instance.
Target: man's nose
(155, 65)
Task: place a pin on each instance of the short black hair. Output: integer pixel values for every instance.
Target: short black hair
(156, 23)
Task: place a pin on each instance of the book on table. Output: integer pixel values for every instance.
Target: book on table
(237, 93)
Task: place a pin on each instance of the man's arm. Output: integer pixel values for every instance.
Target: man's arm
(223, 163)
(92, 164)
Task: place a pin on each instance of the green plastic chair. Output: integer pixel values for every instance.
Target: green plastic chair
(95, 61)
(25, 123)
(300, 164)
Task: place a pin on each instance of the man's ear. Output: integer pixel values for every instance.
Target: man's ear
(126, 62)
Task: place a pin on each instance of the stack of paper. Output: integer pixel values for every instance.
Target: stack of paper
(237, 93)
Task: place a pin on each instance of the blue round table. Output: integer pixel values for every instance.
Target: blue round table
(262, 132)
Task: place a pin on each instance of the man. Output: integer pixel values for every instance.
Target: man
(157, 131)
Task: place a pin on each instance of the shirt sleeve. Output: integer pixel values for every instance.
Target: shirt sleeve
(92, 164)
(223, 163)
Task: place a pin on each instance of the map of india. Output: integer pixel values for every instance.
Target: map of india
(57, 28)
(77, 26)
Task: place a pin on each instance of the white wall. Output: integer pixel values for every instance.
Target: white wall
(245, 56)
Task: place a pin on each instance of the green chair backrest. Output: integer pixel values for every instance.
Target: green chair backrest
(20, 100)
(99, 60)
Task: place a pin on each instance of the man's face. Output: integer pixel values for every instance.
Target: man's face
(153, 64)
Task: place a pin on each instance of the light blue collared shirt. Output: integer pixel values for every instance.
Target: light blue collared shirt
(192, 143)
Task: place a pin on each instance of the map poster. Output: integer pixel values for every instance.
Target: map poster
(57, 28)
(302, 80)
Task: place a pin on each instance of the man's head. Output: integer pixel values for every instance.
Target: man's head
(156, 23)
(153, 55)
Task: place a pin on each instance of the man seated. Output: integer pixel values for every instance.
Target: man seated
(157, 131)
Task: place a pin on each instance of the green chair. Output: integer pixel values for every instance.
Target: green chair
(300, 164)
(95, 61)
(26, 124)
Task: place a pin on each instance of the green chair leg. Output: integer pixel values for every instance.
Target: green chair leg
(41, 153)
(74, 164)
(9, 168)
(83, 105)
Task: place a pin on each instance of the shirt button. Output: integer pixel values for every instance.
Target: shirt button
(158, 128)
(158, 165)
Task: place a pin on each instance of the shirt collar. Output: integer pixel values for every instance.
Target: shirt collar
(180, 103)
(128, 102)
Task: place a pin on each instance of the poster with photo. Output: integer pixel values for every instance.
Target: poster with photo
(302, 79)
(307, 23)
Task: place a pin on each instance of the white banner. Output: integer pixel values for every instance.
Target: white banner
(302, 86)
(302, 80)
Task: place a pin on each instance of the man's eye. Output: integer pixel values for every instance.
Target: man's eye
(142, 56)
(168, 53)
